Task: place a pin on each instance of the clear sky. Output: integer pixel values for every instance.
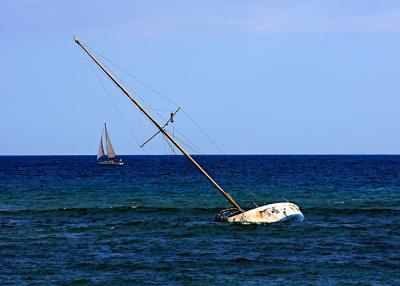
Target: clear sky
(260, 77)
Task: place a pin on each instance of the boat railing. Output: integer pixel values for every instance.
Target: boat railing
(224, 214)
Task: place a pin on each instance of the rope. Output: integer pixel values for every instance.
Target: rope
(216, 163)
(112, 101)
(164, 97)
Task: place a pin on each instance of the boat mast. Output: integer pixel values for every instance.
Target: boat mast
(162, 130)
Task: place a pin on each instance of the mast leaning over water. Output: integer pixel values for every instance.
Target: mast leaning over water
(162, 130)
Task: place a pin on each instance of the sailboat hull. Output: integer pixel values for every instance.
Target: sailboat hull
(278, 212)
(111, 162)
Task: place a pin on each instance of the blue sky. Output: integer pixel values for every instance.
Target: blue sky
(260, 77)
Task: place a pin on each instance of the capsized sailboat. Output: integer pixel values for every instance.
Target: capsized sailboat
(278, 212)
(111, 158)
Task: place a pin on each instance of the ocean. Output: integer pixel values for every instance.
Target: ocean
(64, 220)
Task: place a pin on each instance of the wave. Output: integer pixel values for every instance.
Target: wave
(149, 209)
(108, 209)
(353, 211)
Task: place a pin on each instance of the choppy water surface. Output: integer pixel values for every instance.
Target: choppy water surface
(68, 221)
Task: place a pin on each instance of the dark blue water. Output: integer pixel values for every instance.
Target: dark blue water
(68, 221)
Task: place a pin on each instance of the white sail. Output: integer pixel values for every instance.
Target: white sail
(100, 153)
(110, 149)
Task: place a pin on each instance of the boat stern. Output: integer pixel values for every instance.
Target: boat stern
(278, 212)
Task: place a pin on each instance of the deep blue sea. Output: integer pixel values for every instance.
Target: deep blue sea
(66, 221)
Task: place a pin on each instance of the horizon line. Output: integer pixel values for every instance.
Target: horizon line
(211, 154)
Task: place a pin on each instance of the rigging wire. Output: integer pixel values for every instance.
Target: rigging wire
(216, 163)
(193, 147)
(155, 111)
(163, 96)
(169, 144)
(147, 106)
(112, 101)
(165, 149)
(189, 146)
(143, 101)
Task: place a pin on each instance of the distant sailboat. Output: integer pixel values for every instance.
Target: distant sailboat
(111, 160)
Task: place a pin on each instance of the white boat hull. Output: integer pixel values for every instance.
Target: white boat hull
(278, 212)
(111, 162)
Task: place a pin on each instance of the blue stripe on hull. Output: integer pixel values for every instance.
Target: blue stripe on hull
(292, 218)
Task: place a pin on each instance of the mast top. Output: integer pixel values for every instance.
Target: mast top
(76, 39)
